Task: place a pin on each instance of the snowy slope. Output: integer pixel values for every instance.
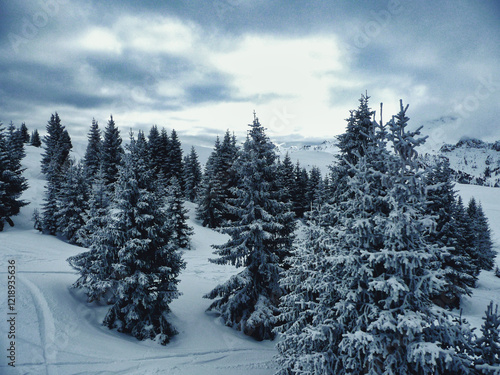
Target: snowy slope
(57, 332)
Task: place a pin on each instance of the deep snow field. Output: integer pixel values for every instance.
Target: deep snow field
(57, 332)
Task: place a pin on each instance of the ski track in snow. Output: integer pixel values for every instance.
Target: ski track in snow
(45, 321)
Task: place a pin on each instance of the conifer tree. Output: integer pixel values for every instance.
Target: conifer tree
(12, 182)
(72, 202)
(25, 136)
(92, 158)
(156, 149)
(487, 346)
(35, 139)
(286, 180)
(192, 175)
(261, 237)
(483, 253)
(112, 153)
(55, 162)
(459, 272)
(211, 199)
(147, 261)
(300, 202)
(95, 217)
(175, 159)
(177, 215)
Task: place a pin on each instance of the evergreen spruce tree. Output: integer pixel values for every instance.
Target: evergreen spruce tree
(314, 187)
(483, 253)
(147, 263)
(175, 159)
(92, 158)
(35, 139)
(72, 202)
(286, 180)
(164, 153)
(177, 215)
(12, 182)
(25, 136)
(157, 150)
(55, 162)
(459, 271)
(96, 215)
(300, 202)
(112, 153)
(192, 175)
(211, 199)
(260, 240)
(488, 345)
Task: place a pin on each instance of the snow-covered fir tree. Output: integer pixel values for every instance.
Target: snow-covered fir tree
(96, 214)
(12, 182)
(285, 179)
(112, 153)
(364, 304)
(25, 135)
(299, 194)
(459, 271)
(211, 200)
(192, 175)
(487, 347)
(218, 182)
(177, 215)
(35, 139)
(260, 239)
(55, 162)
(148, 262)
(175, 166)
(72, 202)
(92, 157)
(484, 255)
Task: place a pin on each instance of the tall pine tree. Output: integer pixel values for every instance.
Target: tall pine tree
(261, 237)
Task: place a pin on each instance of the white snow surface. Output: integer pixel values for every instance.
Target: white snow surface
(58, 332)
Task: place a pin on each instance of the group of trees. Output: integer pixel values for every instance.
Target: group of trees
(127, 207)
(348, 268)
(360, 285)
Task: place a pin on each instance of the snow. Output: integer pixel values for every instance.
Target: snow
(58, 332)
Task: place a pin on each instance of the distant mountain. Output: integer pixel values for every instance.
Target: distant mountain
(472, 160)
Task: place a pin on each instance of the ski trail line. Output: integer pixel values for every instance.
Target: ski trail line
(46, 323)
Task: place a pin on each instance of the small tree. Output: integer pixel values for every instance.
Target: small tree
(25, 136)
(92, 158)
(192, 175)
(35, 139)
(488, 345)
(177, 215)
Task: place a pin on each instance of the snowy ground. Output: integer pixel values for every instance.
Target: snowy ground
(57, 332)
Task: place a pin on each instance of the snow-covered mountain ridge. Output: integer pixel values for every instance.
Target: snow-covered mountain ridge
(473, 161)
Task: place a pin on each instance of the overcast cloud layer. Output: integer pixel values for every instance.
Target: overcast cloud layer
(203, 66)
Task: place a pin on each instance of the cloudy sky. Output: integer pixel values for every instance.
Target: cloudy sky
(204, 66)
